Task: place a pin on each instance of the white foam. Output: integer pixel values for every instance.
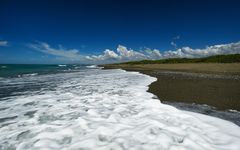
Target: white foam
(3, 67)
(62, 65)
(94, 67)
(29, 74)
(107, 109)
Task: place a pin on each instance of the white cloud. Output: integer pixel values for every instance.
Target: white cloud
(66, 54)
(130, 54)
(174, 44)
(152, 54)
(108, 55)
(3, 43)
(122, 53)
(232, 48)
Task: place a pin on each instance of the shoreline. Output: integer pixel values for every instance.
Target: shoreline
(212, 93)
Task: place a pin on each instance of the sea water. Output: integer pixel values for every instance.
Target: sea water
(79, 107)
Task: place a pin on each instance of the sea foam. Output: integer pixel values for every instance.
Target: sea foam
(105, 109)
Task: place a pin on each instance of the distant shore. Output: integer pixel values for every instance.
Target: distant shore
(214, 84)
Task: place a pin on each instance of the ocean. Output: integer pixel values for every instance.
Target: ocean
(17, 79)
(86, 107)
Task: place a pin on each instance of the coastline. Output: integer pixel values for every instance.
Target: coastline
(202, 89)
(115, 107)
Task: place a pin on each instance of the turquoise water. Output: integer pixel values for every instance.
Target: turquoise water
(19, 70)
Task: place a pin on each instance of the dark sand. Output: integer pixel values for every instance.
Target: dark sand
(216, 85)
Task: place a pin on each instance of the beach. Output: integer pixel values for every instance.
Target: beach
(86, 107)
(213, 84)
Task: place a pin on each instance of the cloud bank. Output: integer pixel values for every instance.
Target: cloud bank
(123, 54)
(3, 43)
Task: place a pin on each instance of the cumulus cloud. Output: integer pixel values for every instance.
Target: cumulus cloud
(130, 54)
(107, 55)
(123, 54)
(152, 54)
(231, 48)
(3, 43)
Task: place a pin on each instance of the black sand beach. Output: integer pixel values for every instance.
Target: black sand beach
(216, 87)
(220, 91)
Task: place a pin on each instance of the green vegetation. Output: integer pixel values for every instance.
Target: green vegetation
(232, 58)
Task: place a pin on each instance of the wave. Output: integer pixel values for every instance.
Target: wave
(3, 67)
(232, 110)
(94, 67)
(62, 65)
(28, 75)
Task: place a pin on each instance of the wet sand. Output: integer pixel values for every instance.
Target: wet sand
(216, 85)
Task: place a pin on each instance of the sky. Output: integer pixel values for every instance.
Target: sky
(106, 31)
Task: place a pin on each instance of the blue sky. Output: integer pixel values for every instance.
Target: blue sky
(84, 29)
